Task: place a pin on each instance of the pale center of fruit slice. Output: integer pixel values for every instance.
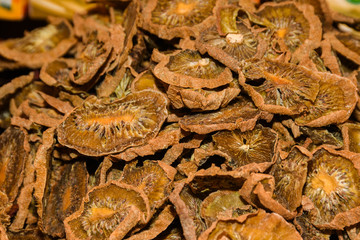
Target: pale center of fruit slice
(324, 181)
(281, 32)
(100, 213)
(127, 117)
(235, 38)
(184, 8)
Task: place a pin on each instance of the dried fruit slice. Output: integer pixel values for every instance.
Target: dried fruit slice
(333, 185)
(15, 84)
(345, 43)
(109, 211)
(177, 18)
(240, 114)
(41, 45)
(307, 230)
(13, 154)
(291, 24)
(65, 190)
(351, 135)
(334, 103)
(233, 43)
(280, 87)
(145, 80)
(187, 68)
(323, 136)
(290, 176)
(222, 203)
(202, 99)
(258, 226)
(154, 179)
(99, 128)
(253, 146)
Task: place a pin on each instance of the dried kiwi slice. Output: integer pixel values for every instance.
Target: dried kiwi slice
(347, 44)
(259, 226)
(179, 18)
(108, 211)
(280, 87)
(333, 184)
(351, 135)
(98, 127)
(334, 103)
(40, 45)
(253, 146)
(187, 68)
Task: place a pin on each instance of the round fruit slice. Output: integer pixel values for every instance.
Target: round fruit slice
(187, 68)
(260, 226)
(333, 186)
(99, 127)
(40, 45)
(280, 87)
(254, 146)
(178, 18)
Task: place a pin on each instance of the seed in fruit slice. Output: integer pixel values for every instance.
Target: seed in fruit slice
(98, 127)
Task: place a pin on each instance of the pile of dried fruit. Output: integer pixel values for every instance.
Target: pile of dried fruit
(183, 119)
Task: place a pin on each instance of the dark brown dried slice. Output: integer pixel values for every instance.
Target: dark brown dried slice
(222, 203)
(322, 136)
(187, 68)
(177, 18)
(308, 230)
(290, 176)
(99, 127)
(13, 155)
(259, 226)
(91, 58)
(334, 103)
(187, 206)
(27, 234)
(280, 87)
(253, 146)
(109, 211)
(292, 24)
(154, 179)
(202, 99)
(351, 135)
(65, 190)
(285, 139)
(346, 43)
(240, 114)
(40, 45)
(333, 185)
(168, 136)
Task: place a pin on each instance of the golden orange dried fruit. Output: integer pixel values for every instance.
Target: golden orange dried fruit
(346, 43)
(177, 18)
(240, 114)
(351, 135)
(259, 226)
(41, 45)
(253, 146)
(280, 87)
(187, 68)
(99, 127)
(332, 186)
(108, 211)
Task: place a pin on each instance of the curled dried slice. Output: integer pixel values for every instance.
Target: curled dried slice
(280, 87)
(13, 154)
(333, 185)
(41, 45)
(308, 230)
(334, 103)
(346, 43)
(202, 99)
(108, 211)
(240, 114)
(187, 68)
(290, 176)
(154, 179)
(179, 18)
(99, 128)
(260, 226)
(253, 146)
(65, 190)
(145, 80)
(291, 24)
(15, 84)
(222, 203)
